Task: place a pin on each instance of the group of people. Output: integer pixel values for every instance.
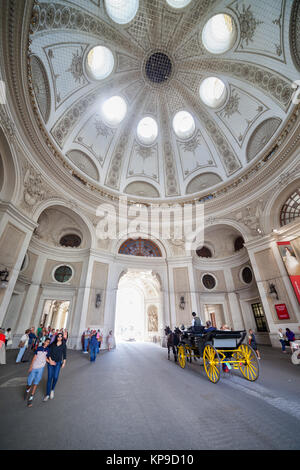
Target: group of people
(286, 339)
(40, 347)
(91, 342)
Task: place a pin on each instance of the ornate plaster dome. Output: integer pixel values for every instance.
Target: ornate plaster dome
(162, 99)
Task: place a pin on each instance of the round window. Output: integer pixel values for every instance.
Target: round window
(63, 273)
(219, 34)
(208, 281)
(247, 275)
(100, 62)
(213, 92)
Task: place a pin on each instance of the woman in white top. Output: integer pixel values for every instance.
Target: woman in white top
(281, 339)
(23, 345)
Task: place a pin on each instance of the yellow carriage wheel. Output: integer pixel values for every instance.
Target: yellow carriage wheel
(248, 362)
(181, 357)
(212, 363)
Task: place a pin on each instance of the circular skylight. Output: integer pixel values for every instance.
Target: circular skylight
(114, 110)
(147, 130)
(178, 3)
(213, 92)
(100, 62)
(183, 124)
(121, 11)
(219, 34)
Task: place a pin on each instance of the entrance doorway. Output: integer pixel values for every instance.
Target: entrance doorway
(55, 314)
(138, 307)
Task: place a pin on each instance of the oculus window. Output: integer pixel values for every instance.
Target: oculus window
(178, 3)
(63, 273)
(114, 110)
(147, 130)
(121, 11)
(208, 281)
(99, 62)
(213, 92)
(219, 34)
(183, 124)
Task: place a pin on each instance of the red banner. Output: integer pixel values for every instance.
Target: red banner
(282, 312)
(292, 265)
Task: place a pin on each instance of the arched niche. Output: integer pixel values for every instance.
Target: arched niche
(57, 221)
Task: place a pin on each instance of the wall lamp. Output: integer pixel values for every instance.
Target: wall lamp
(273, 292)
(98, 300)
(182, 303)
(3, 279)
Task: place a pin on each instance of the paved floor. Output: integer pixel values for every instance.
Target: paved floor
(134, 398)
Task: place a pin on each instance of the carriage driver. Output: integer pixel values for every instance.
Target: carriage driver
(196, 322)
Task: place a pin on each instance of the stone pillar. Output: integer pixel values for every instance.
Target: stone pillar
(27, 311)
(268, 268)
(234, 303)
(15, 234)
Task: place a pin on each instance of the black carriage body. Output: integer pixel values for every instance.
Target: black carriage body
(219, 339)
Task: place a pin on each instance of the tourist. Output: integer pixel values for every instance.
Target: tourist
(8, 337)
(110, 340)
(39, 331)
(27, 356)
(57, 356)
(290, 335)
(36, 370)
(225, 365)
(282, 340)
(2, 346)
(23, 345)
(252, 343)
(93, 346)
(99, 340)
(209, 327)
(32, 337)
(86, 340)
(52, 335)
(65, 334)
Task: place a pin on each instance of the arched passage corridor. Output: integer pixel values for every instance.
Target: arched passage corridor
(138, 307)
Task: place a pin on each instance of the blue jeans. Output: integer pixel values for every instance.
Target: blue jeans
(98, 346)
(86, 342)
(20, 355)
(282, 344)
(53, 373)
(93, 353)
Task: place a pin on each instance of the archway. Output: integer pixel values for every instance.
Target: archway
(138, 307)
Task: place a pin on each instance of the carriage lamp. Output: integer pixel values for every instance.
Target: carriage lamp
(98, 300)
(3, 279)
(273, 292)
(182, 303)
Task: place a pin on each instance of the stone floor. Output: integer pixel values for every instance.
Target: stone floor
(134, 398)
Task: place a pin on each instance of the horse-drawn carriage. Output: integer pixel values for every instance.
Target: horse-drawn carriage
(218, 349)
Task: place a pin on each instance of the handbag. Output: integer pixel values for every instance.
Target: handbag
(21, 344)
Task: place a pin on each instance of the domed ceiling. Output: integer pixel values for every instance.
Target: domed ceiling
(161, 98)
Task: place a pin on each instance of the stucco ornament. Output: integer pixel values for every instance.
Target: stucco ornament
(33, 187)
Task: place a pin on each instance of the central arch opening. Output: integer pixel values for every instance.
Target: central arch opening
(138, 307)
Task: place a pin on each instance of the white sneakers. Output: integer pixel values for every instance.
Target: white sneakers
(51, 396)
